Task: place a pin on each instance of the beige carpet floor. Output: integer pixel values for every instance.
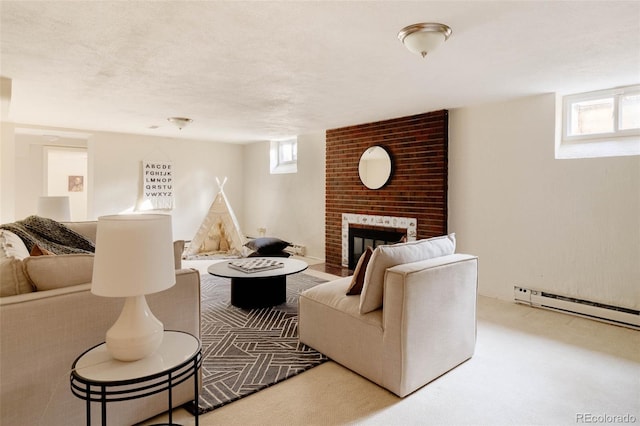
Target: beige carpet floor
(531, 367)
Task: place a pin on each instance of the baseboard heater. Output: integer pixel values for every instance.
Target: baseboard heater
(598, 311)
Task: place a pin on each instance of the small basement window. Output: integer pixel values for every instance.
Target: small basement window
(603, 123)
(283, 156)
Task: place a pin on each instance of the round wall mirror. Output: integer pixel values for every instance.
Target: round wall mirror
(375, 167)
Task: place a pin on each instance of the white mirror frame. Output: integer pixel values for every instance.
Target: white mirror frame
(374, 167)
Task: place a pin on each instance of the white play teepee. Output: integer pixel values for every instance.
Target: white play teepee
(219, 234)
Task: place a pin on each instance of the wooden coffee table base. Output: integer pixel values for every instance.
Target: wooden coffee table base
(249, 293)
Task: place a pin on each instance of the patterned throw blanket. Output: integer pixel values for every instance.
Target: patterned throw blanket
(49, 235)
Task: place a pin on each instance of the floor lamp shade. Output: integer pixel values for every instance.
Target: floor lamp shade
(54, 207)
(134, 257)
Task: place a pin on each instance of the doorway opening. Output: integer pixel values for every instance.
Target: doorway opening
(65, 174)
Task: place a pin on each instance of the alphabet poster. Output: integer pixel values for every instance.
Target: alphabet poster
(158, 184)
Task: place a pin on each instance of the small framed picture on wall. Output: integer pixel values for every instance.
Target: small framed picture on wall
(76, 183)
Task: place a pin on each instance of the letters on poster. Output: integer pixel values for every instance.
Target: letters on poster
(158, 184)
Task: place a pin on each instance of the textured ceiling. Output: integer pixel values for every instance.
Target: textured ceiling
(247, 71)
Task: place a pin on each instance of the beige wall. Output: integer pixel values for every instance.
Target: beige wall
(289, 206)
(29, 172)
(117, 179)
(7, 172)
(567, 226)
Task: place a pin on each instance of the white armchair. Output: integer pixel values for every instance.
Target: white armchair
(425, 327)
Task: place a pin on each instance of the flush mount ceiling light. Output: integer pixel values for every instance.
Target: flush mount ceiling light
(179, 122)
(425, 37)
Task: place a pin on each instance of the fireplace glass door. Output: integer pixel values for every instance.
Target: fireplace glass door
(361, 238)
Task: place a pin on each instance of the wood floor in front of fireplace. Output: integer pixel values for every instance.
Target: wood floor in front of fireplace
(333, 270)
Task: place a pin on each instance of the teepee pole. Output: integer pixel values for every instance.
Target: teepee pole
(221, 185)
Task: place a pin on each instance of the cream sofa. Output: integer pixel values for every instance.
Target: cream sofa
(414, 320)
(43, 331)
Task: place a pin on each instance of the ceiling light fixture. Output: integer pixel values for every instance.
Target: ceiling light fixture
(179, 122)
(425, 37)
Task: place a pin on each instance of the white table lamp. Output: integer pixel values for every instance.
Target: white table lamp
(134, 257)
(54, 207)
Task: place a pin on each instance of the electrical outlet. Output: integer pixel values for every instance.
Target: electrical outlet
(522, 294)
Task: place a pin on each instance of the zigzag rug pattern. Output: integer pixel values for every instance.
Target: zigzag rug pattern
(244, 351)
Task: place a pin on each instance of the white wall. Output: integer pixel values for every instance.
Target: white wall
(116, 177)
(289, 206)
(7, 170)
(28, 178)
(114, 181)
(63, 164)
(567, 226)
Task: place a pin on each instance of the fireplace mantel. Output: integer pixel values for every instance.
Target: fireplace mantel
(410, 224)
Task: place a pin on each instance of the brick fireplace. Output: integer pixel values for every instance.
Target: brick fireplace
(416, 192)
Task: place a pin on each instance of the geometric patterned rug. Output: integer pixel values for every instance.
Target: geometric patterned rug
(246, 350)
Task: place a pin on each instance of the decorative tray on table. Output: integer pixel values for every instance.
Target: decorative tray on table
(255, 265)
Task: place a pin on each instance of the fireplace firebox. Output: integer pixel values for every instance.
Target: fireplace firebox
(373, 231)
(361, 238)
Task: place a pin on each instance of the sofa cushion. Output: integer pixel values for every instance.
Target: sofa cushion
(386, 256)
(13, 279)
(87, 229)
(357, 281)
(50, 272)
(12, 246)
(332, 295)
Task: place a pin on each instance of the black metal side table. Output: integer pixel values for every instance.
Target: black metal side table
(97, 377)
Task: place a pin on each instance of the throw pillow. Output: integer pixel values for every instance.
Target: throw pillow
(385, 257)
(12, 246)
(64, 270)
(178, 248)
(267, 245)
(36, 250)
(13, 279)
(279, 254)
(358, 274)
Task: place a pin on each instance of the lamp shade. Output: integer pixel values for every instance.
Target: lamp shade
(134, 255)
(54, 207)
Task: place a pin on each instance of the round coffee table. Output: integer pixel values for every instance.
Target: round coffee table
(258, 289)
